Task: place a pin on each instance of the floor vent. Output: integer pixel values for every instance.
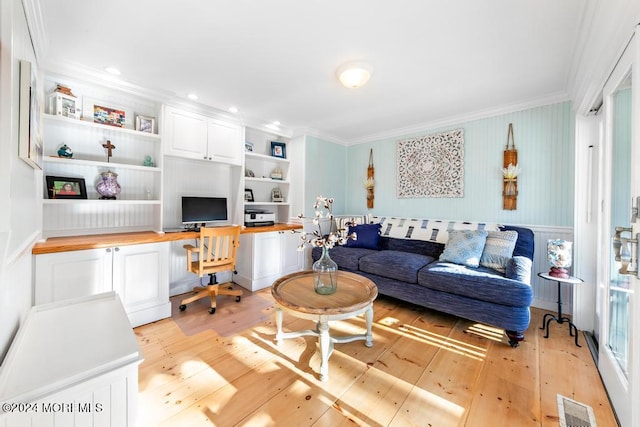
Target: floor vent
(575, 414)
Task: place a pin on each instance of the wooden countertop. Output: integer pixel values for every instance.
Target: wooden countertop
(97, 241)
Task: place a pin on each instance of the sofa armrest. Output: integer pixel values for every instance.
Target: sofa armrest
(519, 268)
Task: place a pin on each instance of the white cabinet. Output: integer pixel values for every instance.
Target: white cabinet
(138, 273)
(72, 363)
(264, 257)
(196, 136)
(291, 259)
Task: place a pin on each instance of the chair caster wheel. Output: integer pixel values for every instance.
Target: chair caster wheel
(182, 307)
(212, 310)
(238, 299)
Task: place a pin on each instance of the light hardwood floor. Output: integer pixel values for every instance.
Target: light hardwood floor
(425, 369)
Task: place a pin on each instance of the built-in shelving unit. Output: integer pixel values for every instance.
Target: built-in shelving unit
(138, 207)
(258, 168)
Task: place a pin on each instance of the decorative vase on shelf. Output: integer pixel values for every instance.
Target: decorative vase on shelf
(325, 274)
(108, 187)
(65, 152)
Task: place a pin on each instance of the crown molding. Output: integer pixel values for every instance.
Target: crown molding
(317, 134)
(553, 98)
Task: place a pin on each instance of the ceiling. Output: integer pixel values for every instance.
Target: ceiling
(432, 60)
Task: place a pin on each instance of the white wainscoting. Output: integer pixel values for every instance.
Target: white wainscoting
(545, 293)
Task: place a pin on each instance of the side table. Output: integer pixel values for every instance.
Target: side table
(294, 294)
(546, 320)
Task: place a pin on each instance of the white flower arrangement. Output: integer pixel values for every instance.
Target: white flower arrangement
(323, 210)
(511, 171)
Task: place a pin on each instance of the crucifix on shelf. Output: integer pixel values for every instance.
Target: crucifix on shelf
(110, 147)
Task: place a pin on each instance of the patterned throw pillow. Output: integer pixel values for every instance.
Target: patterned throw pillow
(498, 249)
(464, 247)
(432, 230)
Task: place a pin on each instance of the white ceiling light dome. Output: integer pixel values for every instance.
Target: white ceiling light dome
(354, 74)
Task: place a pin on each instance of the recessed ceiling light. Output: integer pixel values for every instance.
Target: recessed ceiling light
(233, 110)
(276, 123)
(192, 96)
(112, 70)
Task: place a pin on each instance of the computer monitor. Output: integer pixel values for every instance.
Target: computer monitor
(202, 210)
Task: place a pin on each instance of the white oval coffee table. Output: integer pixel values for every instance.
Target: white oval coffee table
(294, 294)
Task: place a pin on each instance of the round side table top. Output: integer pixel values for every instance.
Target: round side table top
(571, 279)
(295, 291)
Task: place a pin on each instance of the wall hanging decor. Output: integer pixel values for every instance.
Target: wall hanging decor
(369, 183)
(510, 173)
(431, 165)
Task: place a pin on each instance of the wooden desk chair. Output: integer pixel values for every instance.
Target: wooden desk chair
(216, 253)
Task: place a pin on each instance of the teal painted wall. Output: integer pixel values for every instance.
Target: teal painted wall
(544, 138)
(325, 173)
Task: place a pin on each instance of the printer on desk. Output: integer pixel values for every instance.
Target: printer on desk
(258, 218)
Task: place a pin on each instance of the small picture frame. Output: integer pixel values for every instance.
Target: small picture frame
(278, 149)
(108, 116)
(276, 195)
(62, 187)
(64, 105)
(249, 147)
(145, 123)
(248, 195)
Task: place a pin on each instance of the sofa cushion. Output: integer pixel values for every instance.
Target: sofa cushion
(368, 236)
(480, 283)
(396, 265)
(422, 247)
(524, 244)
(464, 247)
(519, 268)
(346, 258)
(498, 249)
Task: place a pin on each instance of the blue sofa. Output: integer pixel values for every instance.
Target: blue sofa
(409, 269)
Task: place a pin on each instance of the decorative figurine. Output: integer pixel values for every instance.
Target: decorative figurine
(148, 161)
(65, 152)
(110, 147)
(108, 188)
(276, 174)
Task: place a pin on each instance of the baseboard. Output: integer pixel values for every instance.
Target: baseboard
(149, 315)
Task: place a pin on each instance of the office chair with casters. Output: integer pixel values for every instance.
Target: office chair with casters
(216, 253)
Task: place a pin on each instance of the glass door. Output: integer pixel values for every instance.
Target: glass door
(619, 227)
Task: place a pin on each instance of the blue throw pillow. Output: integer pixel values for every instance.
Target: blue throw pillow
(368, 236)
(464, 247)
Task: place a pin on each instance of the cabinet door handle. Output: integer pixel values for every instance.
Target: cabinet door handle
(108, 250)
(117, 249)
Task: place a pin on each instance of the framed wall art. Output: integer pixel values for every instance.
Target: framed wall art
(108, 116)
(145, 123)
(278, 149)
(30, 117)
(61, 187)
(248, 195)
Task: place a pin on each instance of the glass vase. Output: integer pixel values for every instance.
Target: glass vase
(325, 274)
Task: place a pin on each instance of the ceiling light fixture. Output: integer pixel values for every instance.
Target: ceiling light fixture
(192, 96)
(233, 110)
(112, 70)
(354, 74)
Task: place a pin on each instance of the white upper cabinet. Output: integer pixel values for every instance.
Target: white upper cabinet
(224, 141)
(195, 136)
(185, 134)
